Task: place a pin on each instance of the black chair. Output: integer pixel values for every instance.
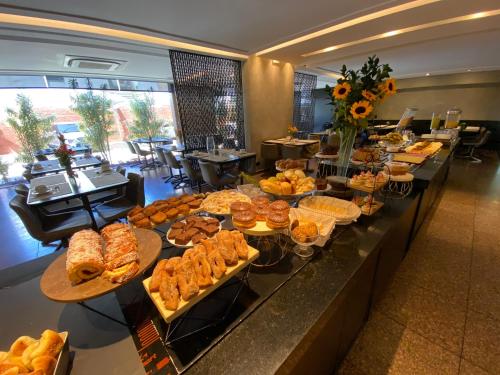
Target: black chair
(210, 176)
(270, 153)
(22, 189)
(173, 164)
(133, 151)
(49, 228)
(119, 207)
(472, 145)
(194, 175)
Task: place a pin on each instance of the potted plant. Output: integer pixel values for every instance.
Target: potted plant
(292, 131)
(146, 123)
(33, 131)
(64, 154)
(97, 118)
(355, 97)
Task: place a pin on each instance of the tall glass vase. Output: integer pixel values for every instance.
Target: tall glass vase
(347, 138)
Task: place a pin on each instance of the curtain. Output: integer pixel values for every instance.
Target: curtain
(209, 99)
(303, 108)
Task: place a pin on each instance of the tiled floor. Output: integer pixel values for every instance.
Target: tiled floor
(441, 315)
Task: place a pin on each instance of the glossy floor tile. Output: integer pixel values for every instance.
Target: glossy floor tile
(441, 314)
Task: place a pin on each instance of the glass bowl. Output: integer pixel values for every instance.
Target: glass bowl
(303, 248)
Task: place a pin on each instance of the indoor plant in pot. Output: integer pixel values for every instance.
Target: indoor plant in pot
(354, 97)
(64, 153)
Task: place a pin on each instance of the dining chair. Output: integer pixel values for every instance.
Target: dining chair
(249, 165)
(210, 176)
(270, 153)
(134, 152)
(22, 189)
(49, 228)
(144, 153)
(194, 175)
(119, 207)
(472, 145)
(173, 164)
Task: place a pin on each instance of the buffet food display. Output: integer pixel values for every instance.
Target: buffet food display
(28, 355)
(290, 182)
(112, 255)
(366, 155)
(367, 181)
(180, 282)
(163, 210)
(285, 164)
(343, 211)
(424, 148)
(260, 215)
(192, 230)
(219, 202)
(367, 204)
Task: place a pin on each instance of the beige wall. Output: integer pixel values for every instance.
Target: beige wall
(268, 100)
(476, 94)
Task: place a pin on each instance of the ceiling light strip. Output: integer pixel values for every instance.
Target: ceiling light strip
(350, 23)
(406, 30)
(115, 33)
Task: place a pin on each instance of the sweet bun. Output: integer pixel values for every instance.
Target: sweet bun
(261, 212)
(50, 344)
(240, 206)
(150, 210)
(277, 220)
(158, 217)
(134, 211)
(244, 219)
(260, 201)
(279, 205)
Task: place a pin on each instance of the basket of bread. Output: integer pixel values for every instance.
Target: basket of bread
(288, 183)
(47, 355)
(343, 211)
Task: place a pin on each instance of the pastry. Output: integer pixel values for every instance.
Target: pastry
(186, 279)
(20, 345)
(122, 273)
(134, 211)
(172, 213)
(159, 202)
(260, 201)
(158, 217)
(195, 203)
(187, 198)
(183, 209)
(226, 247)
(261, 212)
(168, 291)
(305, 232)
(182, 239)
(50, 344)
(210, 245)
(137, 217)
(211, 220)
(44, 364)
(240, 207)
(198, 237)
(154, 283)
(192, 232)
(211, 230)
(84, 259)
(217, 263)
(279, 205)
(178, 225)
(240, 244)
(144, 223)
(150, 210)
(219, 202)
(277, 220)
(203, 270)
(171, 264)
(120, 253)
(173, 233)
(244, 219)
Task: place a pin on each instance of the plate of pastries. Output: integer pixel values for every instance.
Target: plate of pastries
(218, 203)
(285, 164)
(192, 230)
(367, 181)
(28, 355)
(96, 264)
(261, 215)
(163, 210)
(366, 155)
(180, 282)
(289, 182)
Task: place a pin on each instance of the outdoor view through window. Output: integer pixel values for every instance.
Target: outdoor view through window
(42, 113)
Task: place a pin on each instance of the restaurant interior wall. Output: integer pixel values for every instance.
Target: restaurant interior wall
(476, 94)
(268, 100)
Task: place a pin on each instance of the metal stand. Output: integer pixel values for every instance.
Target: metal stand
(83, 304)
(266, 245)
(172, 327)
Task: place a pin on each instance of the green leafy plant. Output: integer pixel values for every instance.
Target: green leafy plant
(33, 131)
(97, 117)
(4, 170)
(146, 123)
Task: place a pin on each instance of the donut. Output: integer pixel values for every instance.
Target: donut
(240, 206)
(261, 212)
(277, 220)
(279, 205)
(260, 201)
(244, 219)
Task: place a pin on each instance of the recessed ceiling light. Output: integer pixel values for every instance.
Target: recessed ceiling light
(424, 26)
(113, 33)
(469, 70)
(276, 61)
(427, 74)
(350, 23)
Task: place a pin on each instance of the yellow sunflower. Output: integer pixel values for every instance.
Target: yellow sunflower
(390, 86)
(361, 109)
(341, 91)
(368, 95)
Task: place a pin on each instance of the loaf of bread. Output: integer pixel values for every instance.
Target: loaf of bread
(84, 259)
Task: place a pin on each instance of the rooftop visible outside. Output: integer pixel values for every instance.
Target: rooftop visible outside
(59, 106)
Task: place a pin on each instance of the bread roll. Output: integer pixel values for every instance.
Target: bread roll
(20, 345)
(44, 363)
(84, 259)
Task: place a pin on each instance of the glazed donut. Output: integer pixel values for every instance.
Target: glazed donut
(279, 205)
(240, 207)
(244, 219)
(277, 220)
(261, 212)
(260, 201)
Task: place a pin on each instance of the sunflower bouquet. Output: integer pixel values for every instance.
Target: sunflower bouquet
(355, 97)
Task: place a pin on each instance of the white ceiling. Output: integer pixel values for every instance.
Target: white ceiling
(248, 26)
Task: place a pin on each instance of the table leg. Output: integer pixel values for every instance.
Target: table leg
(86, 205)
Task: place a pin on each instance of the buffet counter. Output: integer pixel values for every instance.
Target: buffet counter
(306, 325)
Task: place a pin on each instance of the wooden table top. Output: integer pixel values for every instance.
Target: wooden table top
(57, 287)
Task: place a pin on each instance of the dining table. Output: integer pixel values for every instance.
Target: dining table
(43, 167)
(222, 156)
(77, 149)
(61, 187)
(292, 142)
